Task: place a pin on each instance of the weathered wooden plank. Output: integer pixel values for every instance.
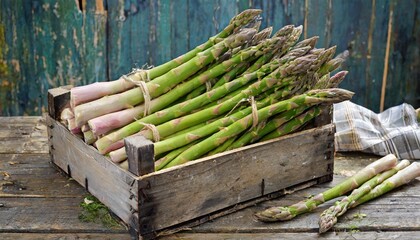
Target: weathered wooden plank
(201, 24)
(48, 215)
(225, 10)
(94, 42)
(229, 180)
(352, 34)
(23, 135)
(179, 28)
(33, 175)
(6, 86)
(20, 95)
(280, 13)
(412, 76)
(69, 236)
(318, 21)
(140, 24)
(293, 236)
(93, 171)
(295, 12)
(163, 31)
(401, 83)
(243, 4)
(58, 99)
(22, 120)
(118, 46)
(153, 28)
(276, 17)
(68, 54)
(45, 70)
(261, 4)
(140, 154)
(395, 211)
(61, 44)
(347, 164)
(375, 55)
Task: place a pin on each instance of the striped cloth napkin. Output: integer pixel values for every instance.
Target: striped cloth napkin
(395, 130)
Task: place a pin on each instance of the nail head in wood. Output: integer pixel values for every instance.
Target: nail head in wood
(140, 153)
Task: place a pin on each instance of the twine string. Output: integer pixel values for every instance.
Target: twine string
(208, 86)
(153, 129)
(254, 111)
(144, 75)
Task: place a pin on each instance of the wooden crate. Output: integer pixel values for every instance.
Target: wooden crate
(158, 203)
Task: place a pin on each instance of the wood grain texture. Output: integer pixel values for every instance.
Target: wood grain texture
(201, 24)
(64, 236)
(23, 135)
(140, 154)
(46, 215)
(294, 236)
(402, 81)
(180, 43)
(318, 21)
(349, 31)
(375, 58)
(93, 171)
(58, 99)
(232, 177)
(37, 201)
(34, 176)
(94, 36)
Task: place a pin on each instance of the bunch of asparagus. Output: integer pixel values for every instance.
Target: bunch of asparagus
(241, 86)
(371, 182)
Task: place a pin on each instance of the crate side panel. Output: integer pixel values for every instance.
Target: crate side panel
(199, 188)
(114, 187)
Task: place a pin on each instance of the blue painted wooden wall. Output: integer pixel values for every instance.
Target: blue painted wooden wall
(48, 43)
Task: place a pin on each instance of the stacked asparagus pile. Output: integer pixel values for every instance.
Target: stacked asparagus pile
(241, 86)
(371, 182)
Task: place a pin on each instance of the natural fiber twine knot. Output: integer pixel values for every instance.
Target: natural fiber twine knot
(144, 77)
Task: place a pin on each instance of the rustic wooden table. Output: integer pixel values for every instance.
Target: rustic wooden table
(39, 202)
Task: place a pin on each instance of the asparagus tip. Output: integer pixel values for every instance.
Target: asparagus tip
(274, 214)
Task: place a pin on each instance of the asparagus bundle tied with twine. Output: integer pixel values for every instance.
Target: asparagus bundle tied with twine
(239, 87)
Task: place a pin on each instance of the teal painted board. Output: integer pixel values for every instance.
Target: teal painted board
(318, 21)
(8, 74)
(277, 15)
(163, 31)
(44, 71)
(295, 12)
(67, 22)
(59, 45)
(201, 25)
(5, 86)
(47, 43)
(225, 10)
(263, 5)
(94, 39)
(349, 31)
(401, 81)
(412, 74)
(280, 13)
(140, 29)
(119, 37)
(375, 59)
(28, 91)
(243, 4)
(179, 28)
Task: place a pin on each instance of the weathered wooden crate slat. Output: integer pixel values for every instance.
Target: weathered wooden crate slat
(171, 199)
